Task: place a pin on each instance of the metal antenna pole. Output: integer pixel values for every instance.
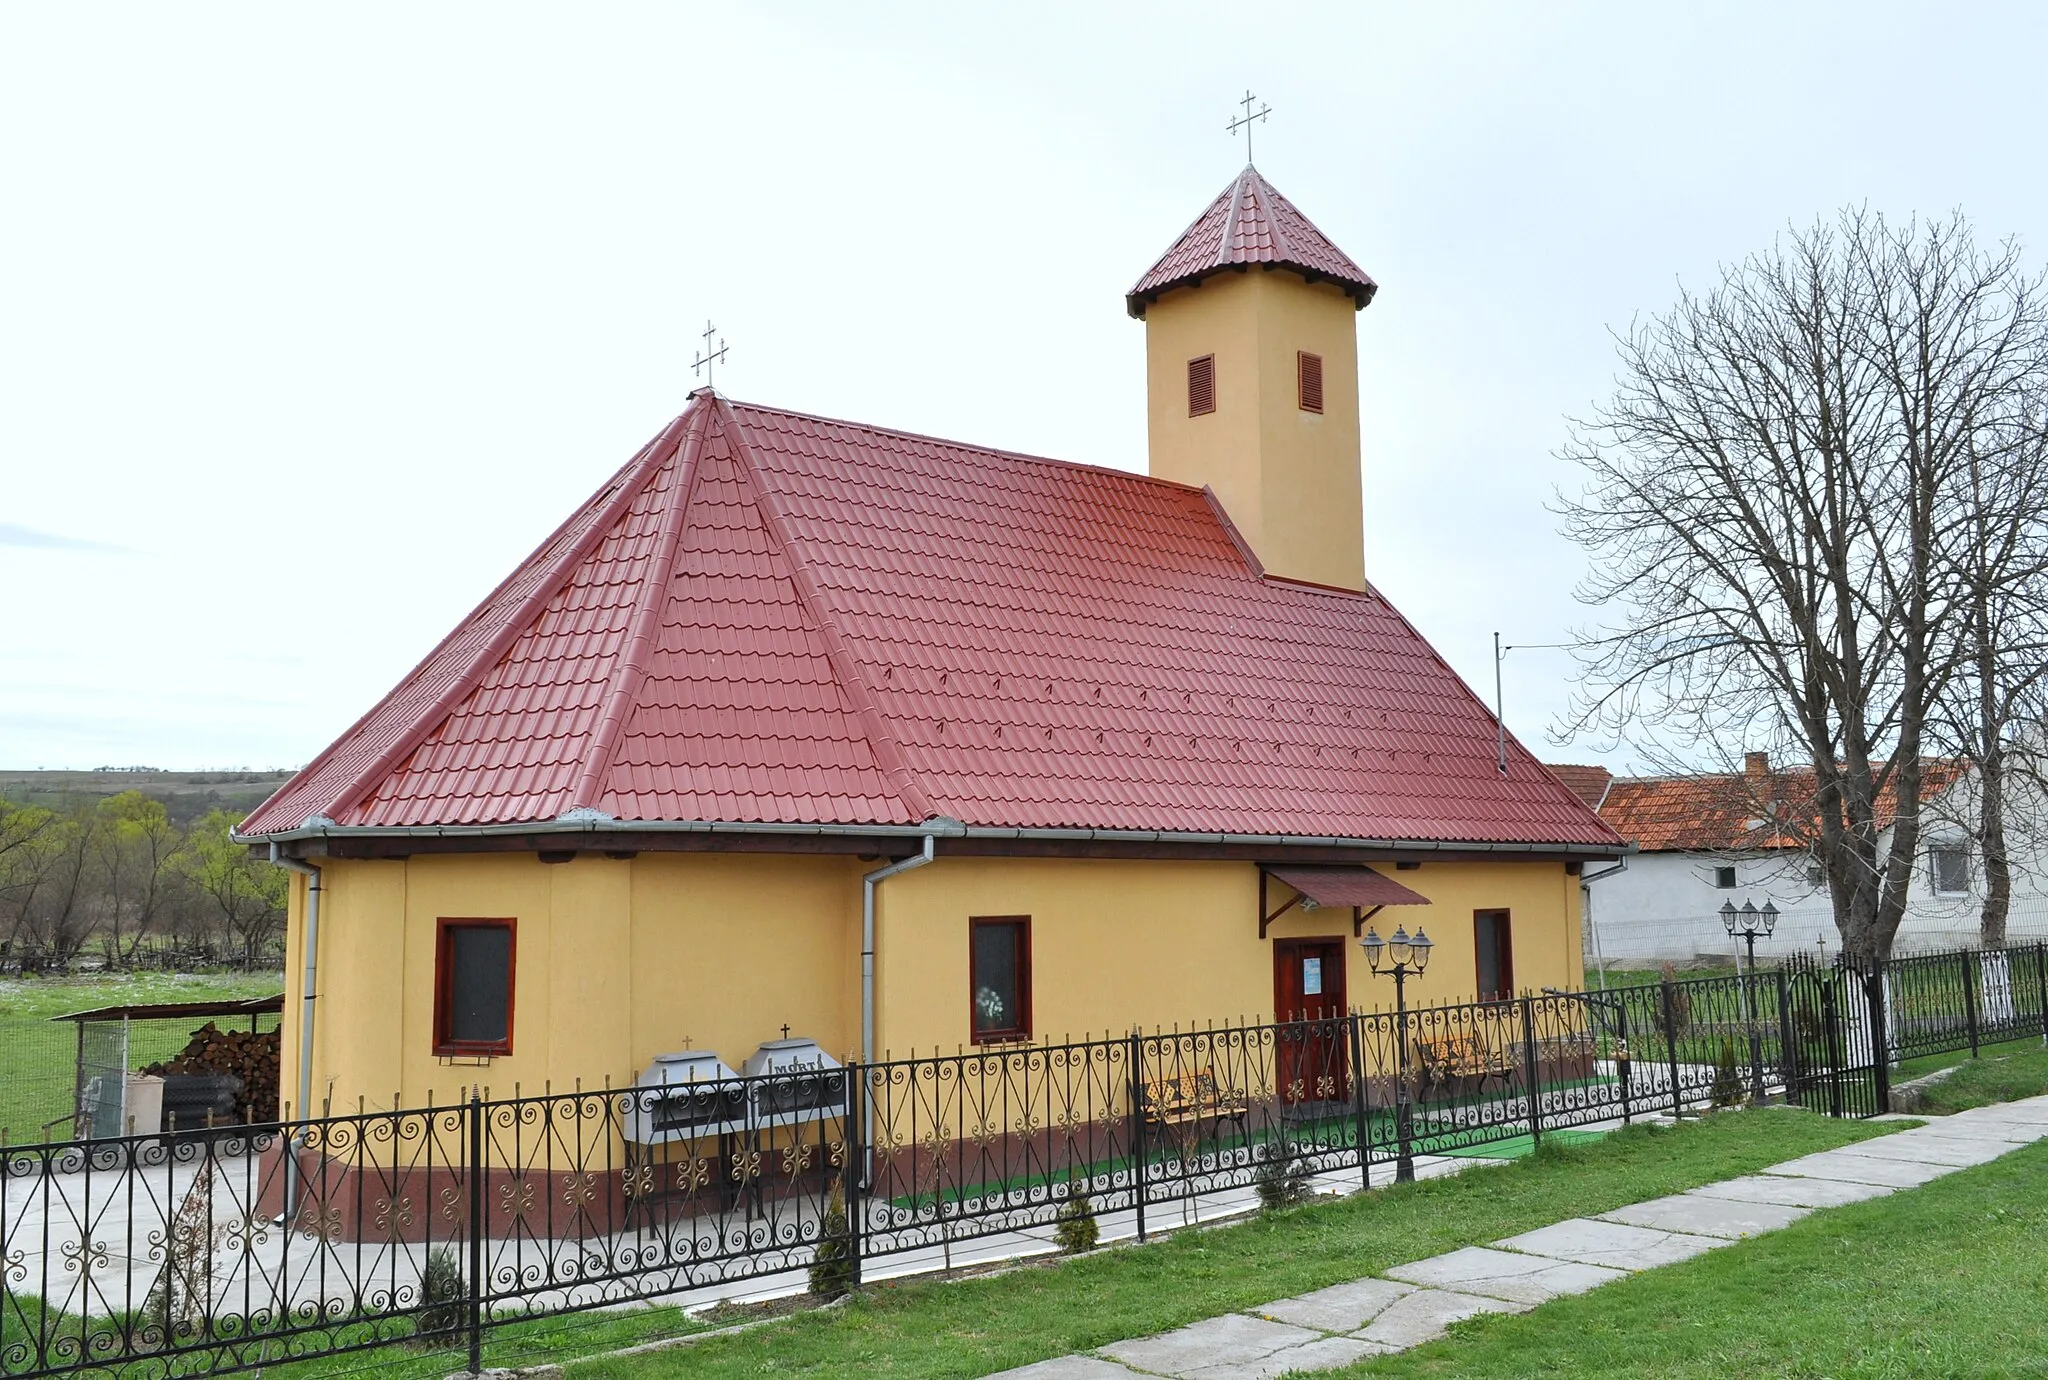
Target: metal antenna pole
(1500, 725)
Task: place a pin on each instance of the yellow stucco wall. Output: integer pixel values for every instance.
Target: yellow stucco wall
(1289, 479)
(619, 960)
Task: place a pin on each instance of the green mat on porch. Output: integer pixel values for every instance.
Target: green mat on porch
(1519, 1146)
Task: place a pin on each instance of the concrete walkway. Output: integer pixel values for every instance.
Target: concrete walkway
(1415, 1303)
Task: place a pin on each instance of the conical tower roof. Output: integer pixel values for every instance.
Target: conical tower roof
(1250, 222)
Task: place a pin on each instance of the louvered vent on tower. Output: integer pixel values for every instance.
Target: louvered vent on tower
(1308, 373)
(1201, 385)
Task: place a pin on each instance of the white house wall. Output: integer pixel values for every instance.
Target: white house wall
(1665, 907)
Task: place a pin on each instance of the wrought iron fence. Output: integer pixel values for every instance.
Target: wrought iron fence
(227, 1248)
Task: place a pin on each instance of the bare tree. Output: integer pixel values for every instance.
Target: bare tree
(1771, 513)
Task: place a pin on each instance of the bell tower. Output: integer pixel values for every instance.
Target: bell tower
(1251, 350)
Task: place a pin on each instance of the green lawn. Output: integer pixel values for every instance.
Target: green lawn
(38, 1054)
(1638, 977)
(1944, 1280)
(969, 1328)
(2021, 1071)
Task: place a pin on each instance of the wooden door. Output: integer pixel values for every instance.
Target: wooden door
(1312, 1044)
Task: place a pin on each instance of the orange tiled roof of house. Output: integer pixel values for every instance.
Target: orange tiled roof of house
(1721, 811)
(1587, 783)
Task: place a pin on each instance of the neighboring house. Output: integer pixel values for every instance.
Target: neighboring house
(1137, 750)
(1712, 838)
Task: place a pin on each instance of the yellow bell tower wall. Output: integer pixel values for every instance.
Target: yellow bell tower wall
(1289, 478)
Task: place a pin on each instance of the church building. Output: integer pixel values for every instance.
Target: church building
(803, 726)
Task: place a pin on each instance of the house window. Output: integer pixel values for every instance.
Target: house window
(1724, 878)
(1950, 869)
(1814, 876)
(1308, 377)
(1201, 386)
(1493, 943)
(999, 977)
(473, 987)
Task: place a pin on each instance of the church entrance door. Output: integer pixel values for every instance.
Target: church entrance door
(1310, 1043)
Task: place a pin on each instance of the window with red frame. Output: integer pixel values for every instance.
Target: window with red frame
(473, 987)
(999, 977)
(1493, 943)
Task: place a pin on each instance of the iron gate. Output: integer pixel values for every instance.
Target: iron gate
(1832, 1018)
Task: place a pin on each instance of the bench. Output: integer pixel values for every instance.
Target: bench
(1460, 1056)
(1184, 1102)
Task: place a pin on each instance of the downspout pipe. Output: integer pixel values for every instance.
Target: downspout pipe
(868, 884)
(1586, 880)
(312, 876)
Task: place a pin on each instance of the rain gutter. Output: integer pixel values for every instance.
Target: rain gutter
(312, 947)
(591, 824)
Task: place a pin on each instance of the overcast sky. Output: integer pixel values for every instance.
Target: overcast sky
(314, 320)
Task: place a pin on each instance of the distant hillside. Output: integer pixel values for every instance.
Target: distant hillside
(186, 794)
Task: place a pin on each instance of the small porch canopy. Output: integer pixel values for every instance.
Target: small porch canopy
(1360, 888)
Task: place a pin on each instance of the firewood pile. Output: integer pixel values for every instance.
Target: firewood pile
(244, 1054)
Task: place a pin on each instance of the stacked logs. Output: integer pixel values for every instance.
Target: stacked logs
(245, 1054)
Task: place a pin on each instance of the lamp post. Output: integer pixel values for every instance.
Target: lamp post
(1397, 958)
(1749, 923)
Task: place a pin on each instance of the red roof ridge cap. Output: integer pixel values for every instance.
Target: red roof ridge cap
(1230, 240)
(1244, 548)
(1281, 246)
(888, 752)
(631, 668)
(927, 437)
(1317, 587)
(636, 473)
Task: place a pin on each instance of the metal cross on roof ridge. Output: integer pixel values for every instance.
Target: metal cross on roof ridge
(1244, 122)
(704, 362)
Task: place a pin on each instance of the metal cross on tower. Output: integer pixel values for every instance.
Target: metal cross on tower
(704, 362)
(1244, 122)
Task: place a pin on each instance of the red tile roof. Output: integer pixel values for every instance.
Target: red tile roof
(1249, 223)
(1587, 783)
(1765, 807)
(1347, 886)
(768, 617)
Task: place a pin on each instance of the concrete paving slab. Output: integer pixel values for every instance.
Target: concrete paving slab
(1067, 1368)
(1792, 1191)
(1327, 1354)
(1958, 1150)
(1339, 1308)
(1707, 1216)
(1232, 1338)
(1423, 1315)
(1613, 1244)
(1862, 1169)
(1504, 1275)
(2018, 1118)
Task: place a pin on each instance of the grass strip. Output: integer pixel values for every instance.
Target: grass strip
(1994, 1078)
(972, 1327)
(1943, 1280)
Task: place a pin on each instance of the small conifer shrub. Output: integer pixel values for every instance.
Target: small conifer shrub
(834, 1270)
(444, 1292)
(1075, 1231)
(1281, 1174)
(1727, 1090)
